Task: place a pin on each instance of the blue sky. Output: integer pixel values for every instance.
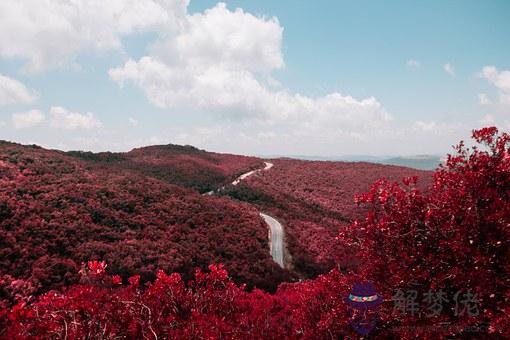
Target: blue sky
(324, 78)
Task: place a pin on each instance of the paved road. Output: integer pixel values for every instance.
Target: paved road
(276, 235)
(248, 174)
(276, 245)
(243, 176)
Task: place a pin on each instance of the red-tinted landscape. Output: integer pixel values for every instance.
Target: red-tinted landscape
(127, 245)
(314, 200)
(58, 211)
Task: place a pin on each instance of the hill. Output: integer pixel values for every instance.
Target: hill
(58, 211)
(420, 162)
(185, 166)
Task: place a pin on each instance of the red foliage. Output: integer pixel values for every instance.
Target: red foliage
(210, 306)
(116, 280)
(58, 211)
(97, 268)
(453, 237)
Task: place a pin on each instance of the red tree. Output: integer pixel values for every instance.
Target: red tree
(452, 238)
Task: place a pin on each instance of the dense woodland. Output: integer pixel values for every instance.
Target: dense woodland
(453, 235)
(57, 211)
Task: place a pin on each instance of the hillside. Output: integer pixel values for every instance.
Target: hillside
(314, 199)
(185, 166)
(58, 211)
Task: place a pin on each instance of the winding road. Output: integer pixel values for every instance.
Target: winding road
(246, 175)
(276, 237)
(275, 227)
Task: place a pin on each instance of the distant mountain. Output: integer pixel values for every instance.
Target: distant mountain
(424, 162)
(421, 162)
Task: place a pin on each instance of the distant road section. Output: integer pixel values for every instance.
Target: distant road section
(240, 178)
(248, 174)
(276, 245)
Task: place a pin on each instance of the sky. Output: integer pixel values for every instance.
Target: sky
(316, 78)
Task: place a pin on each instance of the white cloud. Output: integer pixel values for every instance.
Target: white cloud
(236, 39)
(273, 83)
(62, 118)
(483, 99)
(221, 61)
(413, 63)
(448, 68)
(487, 120)
(28, 119)
(14, 92)
(500, 79)
(132, 121)
(239, 95)
(425, 126)
(49, 33)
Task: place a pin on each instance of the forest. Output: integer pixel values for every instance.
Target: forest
(58, 211)
(448, 233)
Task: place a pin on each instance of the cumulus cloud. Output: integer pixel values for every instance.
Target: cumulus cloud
(51, 32)
(500, 79)
(24, 120)
(487, 120)
(425, 126)
(448, 68)
(413, 63)
(14, 92)
(236, 39)
(221, 60)
(483, 99)
(64, 119)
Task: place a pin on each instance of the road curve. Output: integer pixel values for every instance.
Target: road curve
(240, 178)
(275, 227)
(249, 173)
(276, 239)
